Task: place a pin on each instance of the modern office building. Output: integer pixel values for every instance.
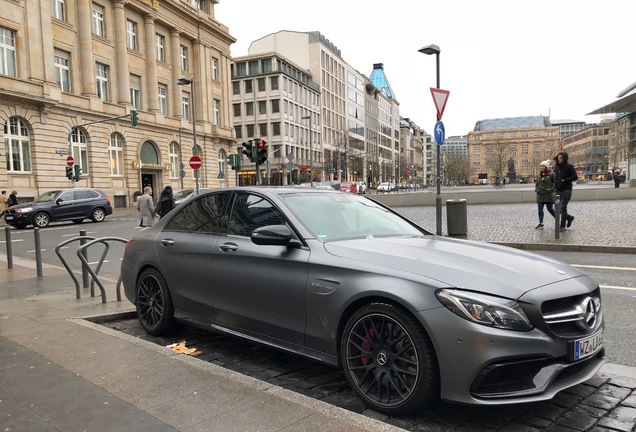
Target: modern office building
(73, 70)
(511, 148)
(588, 151)
(567, 127)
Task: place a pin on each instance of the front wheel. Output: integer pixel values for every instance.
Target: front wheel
(154, 305)
(389, 359)
(41, 220)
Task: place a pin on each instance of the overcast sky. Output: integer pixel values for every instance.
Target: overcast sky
(560, 58)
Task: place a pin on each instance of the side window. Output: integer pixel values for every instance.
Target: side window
(82, 194)
(251, 212)
(203, 215)
(66, 196)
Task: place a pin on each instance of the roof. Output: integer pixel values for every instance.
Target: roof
(379, 79)
(625, 104)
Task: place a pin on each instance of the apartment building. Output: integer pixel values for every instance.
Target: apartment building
(412, 161)
(73, 70)
(511, 148)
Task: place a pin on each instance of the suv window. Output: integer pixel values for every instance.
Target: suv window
(66, 196)
(83, 194)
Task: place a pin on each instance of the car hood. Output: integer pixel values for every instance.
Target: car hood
(24, 205)
(463, 264)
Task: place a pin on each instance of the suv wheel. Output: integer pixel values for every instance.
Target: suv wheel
(98, 215)
(41, 220)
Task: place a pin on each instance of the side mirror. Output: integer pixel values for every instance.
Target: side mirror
(272, 235)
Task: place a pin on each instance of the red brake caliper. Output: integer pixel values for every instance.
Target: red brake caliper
(367, 345)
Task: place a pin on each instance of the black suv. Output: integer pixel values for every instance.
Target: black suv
(56, 205)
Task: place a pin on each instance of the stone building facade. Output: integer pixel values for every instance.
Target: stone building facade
(72, 72)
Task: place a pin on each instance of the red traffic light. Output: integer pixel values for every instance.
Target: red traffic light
(262, 143)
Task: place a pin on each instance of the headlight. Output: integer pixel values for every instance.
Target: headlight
(24, 210)
(486, 310)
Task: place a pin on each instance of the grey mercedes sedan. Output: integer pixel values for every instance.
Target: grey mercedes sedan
(409, 316)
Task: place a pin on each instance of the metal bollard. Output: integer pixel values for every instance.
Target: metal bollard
(38, 251)
(7, 236)
(85, 254)
(557, 217)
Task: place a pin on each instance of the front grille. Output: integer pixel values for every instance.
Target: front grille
(571, 317)
(499, 379)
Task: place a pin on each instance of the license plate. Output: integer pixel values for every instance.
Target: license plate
(585, 347)
(8, 217)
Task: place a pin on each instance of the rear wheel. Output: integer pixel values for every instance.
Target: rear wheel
(389, 359)
(41, 220)
(154, 305)
(98, 215)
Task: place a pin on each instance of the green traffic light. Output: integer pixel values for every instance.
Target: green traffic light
(134, 118)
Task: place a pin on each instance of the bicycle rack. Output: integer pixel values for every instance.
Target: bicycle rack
(86, 266)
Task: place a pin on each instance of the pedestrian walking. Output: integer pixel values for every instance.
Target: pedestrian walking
(4, 202)
(146, 208)
(617, 179)
(545, 188)
(13, 199)
(565, 175)
(166, 202)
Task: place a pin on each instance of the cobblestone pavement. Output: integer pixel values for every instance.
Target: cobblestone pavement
(603, 403)
(597, 223)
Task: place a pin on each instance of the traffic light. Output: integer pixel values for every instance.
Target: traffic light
(69, 173)
(261, 152)
(231, 160)
(249, 150)
(78, 173)
(134, 118)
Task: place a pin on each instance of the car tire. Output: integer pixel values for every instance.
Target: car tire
(154, 305)
(389, 360)
(98, 215)
(41, 220)
(78, 221)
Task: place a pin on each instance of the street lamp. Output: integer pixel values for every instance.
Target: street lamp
(311, 157)
(430, 50)
(188, 81)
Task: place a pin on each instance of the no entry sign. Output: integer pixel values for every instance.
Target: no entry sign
(195, 162)
(70, 161)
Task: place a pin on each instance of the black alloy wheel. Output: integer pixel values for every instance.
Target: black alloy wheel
(98, 215)
(154, 305)
(389, 360)
(41, 220)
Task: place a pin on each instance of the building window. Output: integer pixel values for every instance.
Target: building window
(78, 148)
(162, 92)
(262, 129)
(101, 71)
(183, 53)
(16, 145)
(248, 86)
(262, 107)
(249, 108)
(276, 128)
(131, 32)
(217, 112)
(250, 130)
(275, 105)
(273, 83)
(7, 52)
(116, 150)
(222, 163)
(135, 91)
(160, 43)
(238, 131)
(261, 84)
(62, 70)
(215, 69)
(185, 105)
(98, 20)
(58, 9)
(237, 109)
(173, 156)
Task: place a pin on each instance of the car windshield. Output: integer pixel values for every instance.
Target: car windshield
(332, 217)
(47, 196)
(182, 193)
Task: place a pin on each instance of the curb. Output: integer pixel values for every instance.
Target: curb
(568, 247)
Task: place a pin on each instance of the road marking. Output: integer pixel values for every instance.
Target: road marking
(618, 288)
(31, 251)
(97, 262)
(604, 267)
(16, 240)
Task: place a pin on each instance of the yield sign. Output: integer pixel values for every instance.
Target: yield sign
(439, 97)
(195, 162)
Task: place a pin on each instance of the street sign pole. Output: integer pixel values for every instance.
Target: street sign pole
(439, 97)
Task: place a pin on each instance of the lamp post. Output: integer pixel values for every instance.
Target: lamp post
(311, 157)
(430, 50)
(189, 81)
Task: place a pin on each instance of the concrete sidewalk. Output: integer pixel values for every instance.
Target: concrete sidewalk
(61, 372)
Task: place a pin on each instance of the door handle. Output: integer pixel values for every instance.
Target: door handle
(167, 242)
(229, 247)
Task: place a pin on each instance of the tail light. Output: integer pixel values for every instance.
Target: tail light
(129, 244)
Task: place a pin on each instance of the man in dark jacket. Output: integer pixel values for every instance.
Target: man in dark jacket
(565, 175)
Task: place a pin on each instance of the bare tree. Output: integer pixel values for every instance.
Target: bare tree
(618, 143)
(496, 158)
(457, 169)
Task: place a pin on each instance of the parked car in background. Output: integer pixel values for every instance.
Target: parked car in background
(349, 186)
(362, 187)
(409, 316)
(385, 187)
(68, 204)
(184, 195)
